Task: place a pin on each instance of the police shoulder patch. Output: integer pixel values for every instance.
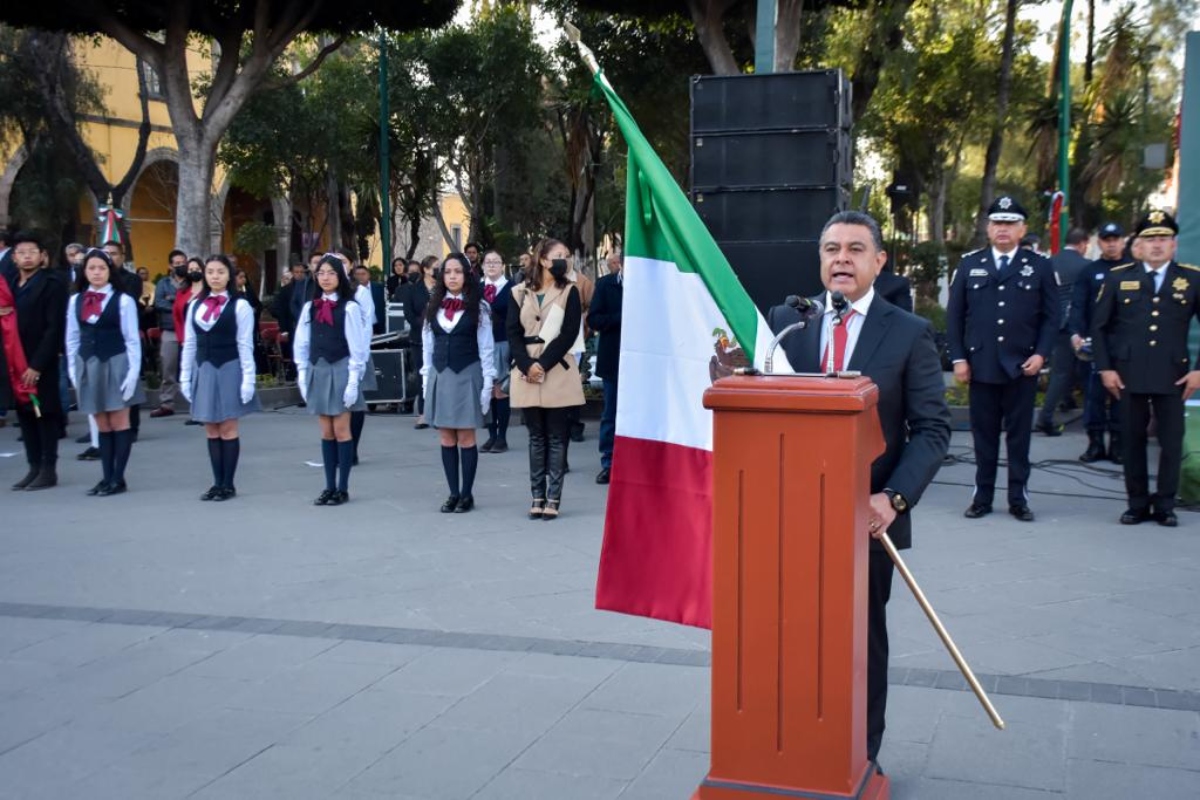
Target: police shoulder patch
(1191, 267)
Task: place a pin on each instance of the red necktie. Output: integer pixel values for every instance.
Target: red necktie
(93, 304)
(324, 310)
(841, 335)
(212, 307)
(452, 305)
(489, 292)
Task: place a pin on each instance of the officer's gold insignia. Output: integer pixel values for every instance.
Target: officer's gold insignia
(1156, 217)
(1180, 284)
(1127, 286)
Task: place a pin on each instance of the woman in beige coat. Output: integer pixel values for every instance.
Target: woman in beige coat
(544, 320)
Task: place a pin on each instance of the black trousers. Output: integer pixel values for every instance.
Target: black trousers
(547, 451)
(1135, 416)
(1064, 375)
(880, 590)
(1011, 405)
(40, 435)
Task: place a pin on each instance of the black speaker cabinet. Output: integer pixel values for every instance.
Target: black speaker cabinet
(391, 369)
(764, 215)
(782, 100)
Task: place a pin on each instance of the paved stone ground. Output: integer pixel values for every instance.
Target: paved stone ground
(154, 647)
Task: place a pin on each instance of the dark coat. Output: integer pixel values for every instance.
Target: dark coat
(414, 308)
(605, 318)
(380, 300)
(1069, 267)
(1143, 335)
(996, 320)
(896, 289)
(500, 311)
(1083, 297)
(895, 349)
(42, 325)
(288, 304)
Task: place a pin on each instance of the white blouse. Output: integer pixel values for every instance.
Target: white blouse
(129, 327)
(245, 335)
(352, 326)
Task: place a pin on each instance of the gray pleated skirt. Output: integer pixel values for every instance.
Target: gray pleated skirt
(216, 393)
(501, 358)
(326, 385)
(368, 382)
(452, 398)
(99, 385)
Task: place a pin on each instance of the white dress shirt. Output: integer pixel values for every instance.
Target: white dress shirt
(129, 328)
(997, 255)
(352, 328)
(245, 335)
(1159, 274)
(853, 325)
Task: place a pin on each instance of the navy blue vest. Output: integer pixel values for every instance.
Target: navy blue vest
(217, 346)
(458, 348)
(328, 341)
(104, 339)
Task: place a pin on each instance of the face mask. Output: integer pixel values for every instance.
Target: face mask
(195, 277)
(414, 277)
(181, 271)
(558, 268)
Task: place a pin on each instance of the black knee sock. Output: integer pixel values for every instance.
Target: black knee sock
(345, 462)
(450, 465)
(122, 446)
(230, 450)
(329, 457)
(470, 460)
(501, 413)
(107, 454)
(357, 420)
(214, 456)
(492, 425)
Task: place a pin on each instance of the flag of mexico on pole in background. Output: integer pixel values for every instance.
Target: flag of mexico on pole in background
(685, 321)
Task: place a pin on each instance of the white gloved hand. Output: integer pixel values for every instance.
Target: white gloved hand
(350, 396)
(302, 384)
(185, 387)
(247, 393)
(485, 398)
(74, 378)
(128, 386)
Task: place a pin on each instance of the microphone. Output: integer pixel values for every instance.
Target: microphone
(808, 309)
(840, 305)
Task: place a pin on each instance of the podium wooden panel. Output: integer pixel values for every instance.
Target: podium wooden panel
(791, 474)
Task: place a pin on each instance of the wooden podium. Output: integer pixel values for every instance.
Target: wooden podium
(791, 476)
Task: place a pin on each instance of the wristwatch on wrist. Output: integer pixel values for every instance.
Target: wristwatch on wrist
(899, 501)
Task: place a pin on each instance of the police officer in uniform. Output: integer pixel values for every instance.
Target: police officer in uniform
(1002, 320)
(1101, 411)
(1139, 332)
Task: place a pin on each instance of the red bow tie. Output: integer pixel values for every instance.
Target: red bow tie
(452, 305)
(93, 304)
(324, 309)
(489, 292)
(212, 307)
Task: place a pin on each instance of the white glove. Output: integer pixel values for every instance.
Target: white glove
(247, 393)
(128, 386)
(350, 396)
(185, 387)
(485, 398)
(302, 384)
(74, 378)
(425, 382)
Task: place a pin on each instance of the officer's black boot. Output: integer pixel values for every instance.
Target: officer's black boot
(1115, 454)
(1095, 448)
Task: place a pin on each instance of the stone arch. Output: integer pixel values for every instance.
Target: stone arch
(8, 179)
(153, 156)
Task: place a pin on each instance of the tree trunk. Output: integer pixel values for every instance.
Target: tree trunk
(1089, 63)
(996, 142)
(708, 16)
(193, 211)
(788, 25)
(937, 206)
(886, 39)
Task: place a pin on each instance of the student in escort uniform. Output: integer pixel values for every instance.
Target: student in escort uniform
(366, 309)
(1140, 334)
(544, 319)
(217, 370)
(104, 361)
(459, 372)
(330, 359)
(497, 291)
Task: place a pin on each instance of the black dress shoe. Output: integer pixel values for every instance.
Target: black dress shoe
(324, 497)
(85, 439)
(977, 510)
(487, 446)
(28, 479)
(1021, 512)
(211, 494)
(1135, 516)
(1167, 519)
(193, 422)
(465, 504)
(47, 478)
(450, 505)
(225, 493)
(603, 476)
(339, 498)
(501, 446)
(91, 454)
(1049, 428)
(95, 490)
(116, 487)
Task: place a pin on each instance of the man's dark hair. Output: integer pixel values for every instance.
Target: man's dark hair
(478, 247)
(115, 244)
(175, 252)
(857, 218)
(25, 237)
(1076, 236)
(1030, 241)
(347, 253)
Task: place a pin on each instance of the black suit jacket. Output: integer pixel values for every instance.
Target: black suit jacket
(895, 349)
(896, 289)
(42, 327)
(604, 317)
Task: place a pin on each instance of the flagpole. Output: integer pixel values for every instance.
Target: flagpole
(942, 633)
(585, 52)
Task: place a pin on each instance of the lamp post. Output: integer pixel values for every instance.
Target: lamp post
(385, 216)
(1064, 123)
(764, 37)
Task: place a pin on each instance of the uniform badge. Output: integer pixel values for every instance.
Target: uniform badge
(1026, 271)
(1127, 286)
(1006, 203)
(978, 273)
(1099, 276)
(1180, 284)
(1156, 217)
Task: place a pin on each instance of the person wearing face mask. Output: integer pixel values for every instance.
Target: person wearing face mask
(168, 348)
(217, 370)
(193, 285)
(497, 292)
(331, 355)
(459, 372)
(544, 320)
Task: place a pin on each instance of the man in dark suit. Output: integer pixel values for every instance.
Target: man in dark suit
(896, 289)
(362, 277)
(1140, 334)
(40, 303)
(604, 317)
(1101, 411)
(1001, 323)
(895, 349)
(1069, 266)
(289, 302)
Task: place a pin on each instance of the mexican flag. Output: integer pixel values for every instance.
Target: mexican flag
(685, 321)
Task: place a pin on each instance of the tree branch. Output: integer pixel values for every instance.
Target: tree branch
(313, 66)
